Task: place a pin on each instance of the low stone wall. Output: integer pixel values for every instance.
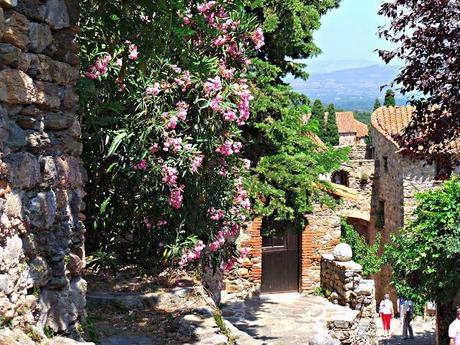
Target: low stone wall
(41, 174)
(345, 281)
(357, 331)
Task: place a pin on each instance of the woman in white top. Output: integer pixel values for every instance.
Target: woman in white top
(386, 312)
(454, 330)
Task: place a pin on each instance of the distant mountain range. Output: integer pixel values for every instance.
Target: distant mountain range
(349, 88)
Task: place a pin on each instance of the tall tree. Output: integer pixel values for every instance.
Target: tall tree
(426, 35)
(317, 114)
(389, 100)
(289, 26)
(331, 132)
(377, 104)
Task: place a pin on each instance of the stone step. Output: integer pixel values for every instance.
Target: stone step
(127, 340)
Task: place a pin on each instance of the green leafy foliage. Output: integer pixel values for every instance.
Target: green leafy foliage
(425, 254)
(377, 104)
(364, 254)
(389, 100)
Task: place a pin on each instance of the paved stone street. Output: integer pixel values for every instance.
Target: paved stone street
(424, 333)
(288, 318)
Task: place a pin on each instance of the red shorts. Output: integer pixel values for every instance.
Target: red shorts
(386, 319)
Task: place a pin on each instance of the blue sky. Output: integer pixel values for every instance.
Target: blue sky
(350, 32)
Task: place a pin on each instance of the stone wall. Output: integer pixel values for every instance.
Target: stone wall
(347, 139)
(246, 276)
(348, 288)
(357, 331)
(320, 237)
(41, 174)
(357, 151)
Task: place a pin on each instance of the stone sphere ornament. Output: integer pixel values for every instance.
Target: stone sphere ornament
(342, 252)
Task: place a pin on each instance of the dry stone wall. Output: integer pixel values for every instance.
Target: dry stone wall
(41, 174)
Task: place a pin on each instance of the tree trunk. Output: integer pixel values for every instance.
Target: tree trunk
(445, 314)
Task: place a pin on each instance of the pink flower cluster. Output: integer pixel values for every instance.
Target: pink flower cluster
(172, 143)
(216, 214)
(169, 175)
(212, 85)
(142, 165)
(133, 53)
(206, 6)
(197, 162)
(242, 90)
(99, 68)
(244, 252)
(218, 242)
(229, 264)
(191, 255)
(226, 73)
(153, 90)
(258, 38)
(229, 147)
(175, 196)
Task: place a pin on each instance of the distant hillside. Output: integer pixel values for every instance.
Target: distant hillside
(349, 89)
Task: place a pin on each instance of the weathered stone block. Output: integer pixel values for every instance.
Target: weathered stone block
(66, 49)
(28, 122)
(59, 121)
(9, 55)
(47, 96)
(16, 29)
(56, 14)
(39, 271)
(33, 9)
(40, 37)
(43, 210)
(16, 87)
(24, 170)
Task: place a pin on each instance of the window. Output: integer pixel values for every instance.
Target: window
(385, 163)
(443, 168)
(273, 241)
(341, 177)
(377, 168)
(380, 221)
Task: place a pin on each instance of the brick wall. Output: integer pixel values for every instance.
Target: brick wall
(41, 174)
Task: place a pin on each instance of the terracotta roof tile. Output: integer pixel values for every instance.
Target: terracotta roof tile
(361, 129)
(391, 120)
(345, 122)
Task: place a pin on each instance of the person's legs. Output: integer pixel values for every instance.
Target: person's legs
(404, 329)
(411, 331)
(386, 323)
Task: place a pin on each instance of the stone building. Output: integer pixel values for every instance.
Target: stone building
(398, 178)
(351, 131)
(41, 174)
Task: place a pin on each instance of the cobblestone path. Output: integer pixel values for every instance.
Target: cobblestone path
(287, 318)
(424, 333)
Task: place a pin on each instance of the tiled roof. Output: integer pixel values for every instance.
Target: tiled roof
(346, 123)
(391, 120)
(361, 129)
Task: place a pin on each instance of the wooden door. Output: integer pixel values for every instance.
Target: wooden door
(280, 262)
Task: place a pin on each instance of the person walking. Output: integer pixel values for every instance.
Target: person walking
(400, 309)
(386, 312)
(408, 317)
(454, 329)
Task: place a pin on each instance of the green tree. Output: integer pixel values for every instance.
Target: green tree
(364, 254)
(377, 104)
(317, 114)
(426, 252)
(331, 133)
(289, 26)
(280, 186)
(389, 98)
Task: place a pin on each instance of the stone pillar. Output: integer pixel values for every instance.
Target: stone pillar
(41, 174)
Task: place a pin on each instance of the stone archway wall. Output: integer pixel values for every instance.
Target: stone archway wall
(41, 174)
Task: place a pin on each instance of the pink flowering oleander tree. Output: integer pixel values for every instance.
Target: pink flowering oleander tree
(163, 98)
